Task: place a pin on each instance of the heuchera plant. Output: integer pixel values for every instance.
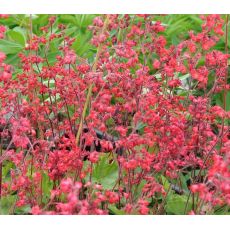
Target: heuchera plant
(164, 146)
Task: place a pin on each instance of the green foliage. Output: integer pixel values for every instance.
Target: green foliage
(115, 211)
(224, 210)
(178, 25)
(176, 204)
(105, 172)
(17, 35)
(47, 186)
(10, 47)
(25, 210)
(7, 204)
(219, 100)
(165, 183)
(82, 44)
(19, 29)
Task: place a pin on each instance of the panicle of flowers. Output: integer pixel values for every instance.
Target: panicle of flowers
(136, 118)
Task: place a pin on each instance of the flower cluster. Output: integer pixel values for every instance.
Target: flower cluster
(143, 112)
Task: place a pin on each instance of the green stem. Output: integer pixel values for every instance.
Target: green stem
(90, 89)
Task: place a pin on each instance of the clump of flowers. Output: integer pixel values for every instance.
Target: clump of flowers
(123, 132)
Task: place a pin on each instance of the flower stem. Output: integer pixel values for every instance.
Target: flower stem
(90, 89)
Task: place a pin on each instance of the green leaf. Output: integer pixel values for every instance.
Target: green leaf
(165, 183)
(47, 186)
(51, 56)
(176, 204)
(7, 166)
(6, 204)
(224, 210)
(9, 47)
(83, 21)
(105, 173)
(228, 101)
(18, 35)
(137, 190)
(110, 122)
(114, 210)
(184, 179)
(184, 77)
(67, 18)
(82, 44)
(13, 60)
(140, 127)
(22, 210)
(219, 100)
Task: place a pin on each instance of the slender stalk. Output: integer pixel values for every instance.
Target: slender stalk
(90, 89)
(226, 51)
(225, 81)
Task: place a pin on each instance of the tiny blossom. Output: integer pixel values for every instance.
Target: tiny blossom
(66, 185)
(156, 64)
(36, 210)
(70, 57)
(2, 31)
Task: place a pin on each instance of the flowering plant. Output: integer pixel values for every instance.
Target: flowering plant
(113, 119)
